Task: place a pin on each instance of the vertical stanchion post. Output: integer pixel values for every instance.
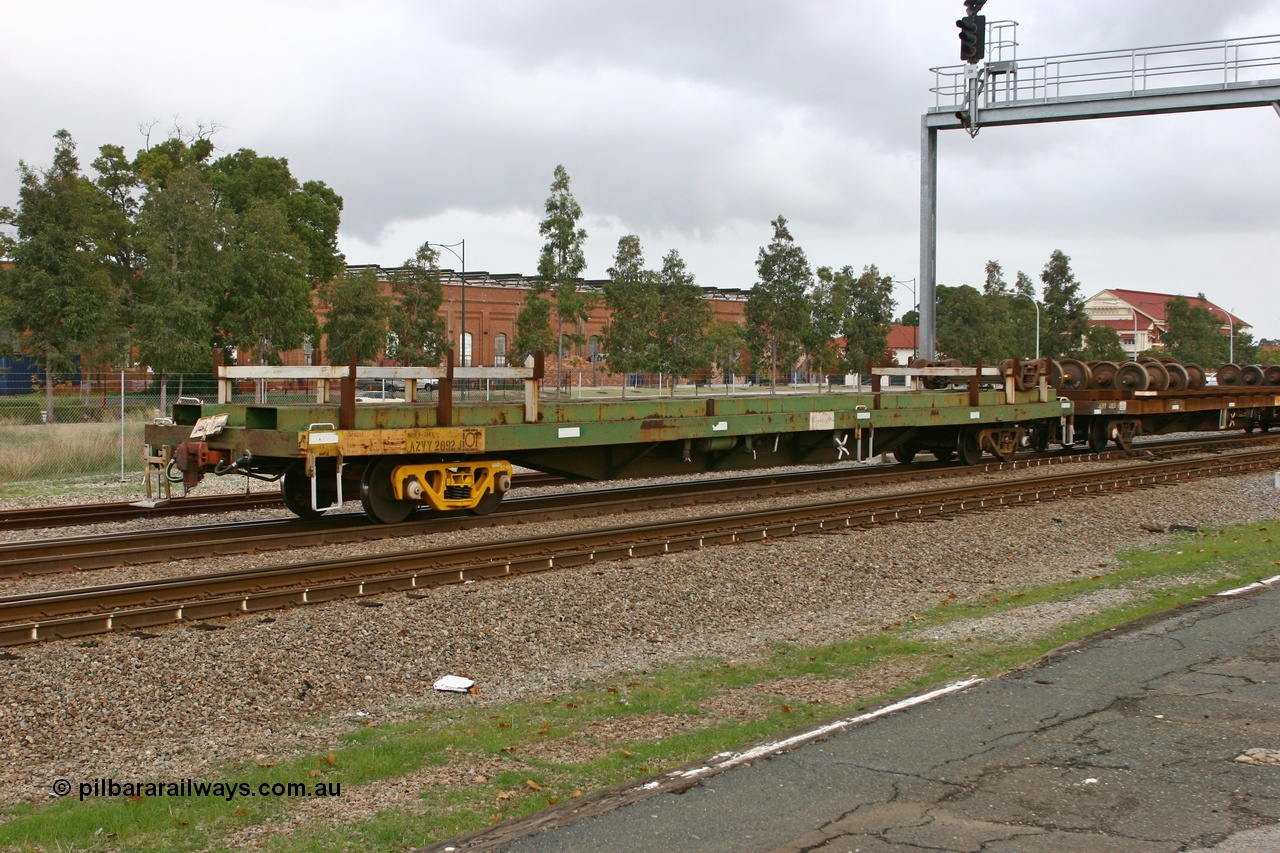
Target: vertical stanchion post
(122, 424)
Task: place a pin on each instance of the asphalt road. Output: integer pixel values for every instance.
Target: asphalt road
(1125, 743)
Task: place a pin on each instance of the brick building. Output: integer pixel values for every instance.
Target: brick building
(494, 300)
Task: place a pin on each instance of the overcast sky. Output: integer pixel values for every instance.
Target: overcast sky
(692, 124)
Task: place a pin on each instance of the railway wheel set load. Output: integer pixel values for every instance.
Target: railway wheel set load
(451, 456)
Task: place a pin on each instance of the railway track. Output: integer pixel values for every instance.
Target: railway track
(84, 514)
(37, 557)
(46, 556)
(133, 606)
(66, 516)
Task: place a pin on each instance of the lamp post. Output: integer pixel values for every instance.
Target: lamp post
(915, 307)
(1231, 336)
(1135, 334)
(1231, 332)
(1037, 304)
(462, 258)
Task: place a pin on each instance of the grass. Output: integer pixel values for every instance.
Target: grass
(37, 452)
(517, 758)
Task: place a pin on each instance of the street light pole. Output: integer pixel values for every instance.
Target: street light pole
(915, 306)
(1037, 304)
(1231, 337)
(452, 247)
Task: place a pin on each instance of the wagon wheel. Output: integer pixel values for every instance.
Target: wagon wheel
(1195, 376)
(1097, 436)
(1132, 376)
(1075, 374)
(1179, 377)
(1273, 374)
(968, 446)
(1252, 376)
(296, 491)
(487, 504)
(1055, 376)
(943, 455)
(377, 498)
(1228, 374)
(905, 453)
(1040, 437)
(1157, 375)
(1104, 374)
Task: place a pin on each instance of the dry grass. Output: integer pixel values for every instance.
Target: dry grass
(42, 451)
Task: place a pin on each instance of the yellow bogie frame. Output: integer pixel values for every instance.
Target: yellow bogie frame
(451, 485)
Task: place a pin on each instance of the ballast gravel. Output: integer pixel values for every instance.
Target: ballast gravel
(181, 701)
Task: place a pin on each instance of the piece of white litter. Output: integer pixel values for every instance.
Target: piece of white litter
(454, 684)
(1089, 781)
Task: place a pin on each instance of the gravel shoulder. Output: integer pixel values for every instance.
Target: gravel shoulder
(184, 700)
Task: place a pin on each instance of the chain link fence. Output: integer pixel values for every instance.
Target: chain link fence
(96, 426)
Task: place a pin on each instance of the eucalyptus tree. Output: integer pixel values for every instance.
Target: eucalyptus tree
(179, 235)
(561, 263)
(682, 321)
(1102, 343)
(266, 299)
(416, 326)
(635, 304)
(777, 310)
(868, 313)
(357, 316)
(1064, 320)
(962, 323)
(282, 239)
(62, 301)
(829, 305)
(726, 345)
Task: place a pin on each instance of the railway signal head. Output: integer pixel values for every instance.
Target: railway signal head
(973, 31)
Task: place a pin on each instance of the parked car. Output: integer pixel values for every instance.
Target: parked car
(377, 397)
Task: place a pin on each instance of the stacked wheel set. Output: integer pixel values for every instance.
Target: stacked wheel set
(1249, 375)
(1160, 374)
(1146, 374)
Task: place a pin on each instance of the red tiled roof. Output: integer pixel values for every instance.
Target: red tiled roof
(1152, 304)
(903, 337)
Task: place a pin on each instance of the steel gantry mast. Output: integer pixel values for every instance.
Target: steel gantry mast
(994, 88)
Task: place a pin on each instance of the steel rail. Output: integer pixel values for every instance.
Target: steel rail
(78, 612)
(26, 518)
(88, 553)
(75, 514)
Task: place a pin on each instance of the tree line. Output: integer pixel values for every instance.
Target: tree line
(660, 323)
(999, 322)
(164, 255)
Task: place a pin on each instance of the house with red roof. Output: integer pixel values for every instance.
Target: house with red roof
(903, 343)
(1139, 316)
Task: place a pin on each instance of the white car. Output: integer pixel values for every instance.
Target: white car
(377, 397)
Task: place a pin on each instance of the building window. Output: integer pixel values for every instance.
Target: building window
(593, 349)
(466, 350)
(500, 351)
